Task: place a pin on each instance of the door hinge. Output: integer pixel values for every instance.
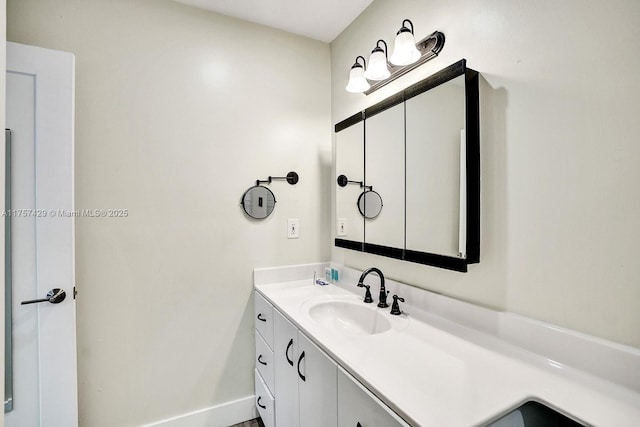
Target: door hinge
(74, 292)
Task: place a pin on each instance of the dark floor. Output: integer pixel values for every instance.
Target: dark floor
(251, 423)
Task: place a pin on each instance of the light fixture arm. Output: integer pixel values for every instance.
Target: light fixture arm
(385, 50)
(404, 26)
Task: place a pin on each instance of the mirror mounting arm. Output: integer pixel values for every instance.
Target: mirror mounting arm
(343, 181)
(292, 178)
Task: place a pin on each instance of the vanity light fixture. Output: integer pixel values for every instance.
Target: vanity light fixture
(406, 56)
(378, 63)
(404, 48)
(357, 82)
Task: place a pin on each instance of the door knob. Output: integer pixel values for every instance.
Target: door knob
(54, 296)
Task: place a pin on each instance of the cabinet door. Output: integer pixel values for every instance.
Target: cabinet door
(357, 407)
(317, 385)
(285, 356)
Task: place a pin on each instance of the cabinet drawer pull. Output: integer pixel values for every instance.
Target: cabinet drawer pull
(286, 352)
(260, 361)
(302, 377)
(260, 318)
(258, 402)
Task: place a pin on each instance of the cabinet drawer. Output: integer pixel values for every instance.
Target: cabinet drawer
(358, 407)
(264, 361)
(264, 318)
(264, 402)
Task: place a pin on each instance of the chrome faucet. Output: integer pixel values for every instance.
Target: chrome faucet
(383, 291)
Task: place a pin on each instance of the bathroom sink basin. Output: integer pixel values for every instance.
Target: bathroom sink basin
(535, 414)
(349, 316)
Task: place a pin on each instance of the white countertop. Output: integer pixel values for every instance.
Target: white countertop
(435, 372)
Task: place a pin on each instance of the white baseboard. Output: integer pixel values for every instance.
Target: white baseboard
(224, 415)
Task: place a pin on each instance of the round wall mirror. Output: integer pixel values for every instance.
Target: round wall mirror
(258, 202)
(370, 204)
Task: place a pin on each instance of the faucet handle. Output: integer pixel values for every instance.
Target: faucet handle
(367, 295)
(395, 308)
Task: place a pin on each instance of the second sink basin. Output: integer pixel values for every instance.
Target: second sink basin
(349, 316)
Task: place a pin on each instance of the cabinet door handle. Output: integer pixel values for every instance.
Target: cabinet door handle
(260, 361)
(286, 352)
(302, 377)
(258, 402)
(260, 318)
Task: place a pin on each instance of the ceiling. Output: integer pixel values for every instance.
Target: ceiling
(318, 19)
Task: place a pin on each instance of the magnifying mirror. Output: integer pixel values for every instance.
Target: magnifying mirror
(258, 202)
(370, 204)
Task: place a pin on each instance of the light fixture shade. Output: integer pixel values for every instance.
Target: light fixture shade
(357, 82)
(377, 69)
(404, 48)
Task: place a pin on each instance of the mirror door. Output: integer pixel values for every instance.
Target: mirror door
(435, 122)
(384, 176)
(349, 164)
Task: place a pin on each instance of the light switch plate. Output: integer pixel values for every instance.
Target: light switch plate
(342, 227)
(293, 228)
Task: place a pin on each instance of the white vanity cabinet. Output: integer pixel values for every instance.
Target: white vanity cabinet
(305, 379)
(357, 407)
(299, 385)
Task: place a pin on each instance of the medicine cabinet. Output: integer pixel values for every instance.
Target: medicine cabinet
(420, 151)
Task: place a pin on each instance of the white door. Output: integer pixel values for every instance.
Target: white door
(317, 386)
(40, 93)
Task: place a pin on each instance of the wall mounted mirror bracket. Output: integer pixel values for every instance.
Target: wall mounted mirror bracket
(259, 201)
(292, 178)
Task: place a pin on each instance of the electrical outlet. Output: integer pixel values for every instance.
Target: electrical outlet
(293, 229)
(342, 227)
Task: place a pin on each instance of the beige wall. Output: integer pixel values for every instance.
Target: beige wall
(560, 152)
(178, 112)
